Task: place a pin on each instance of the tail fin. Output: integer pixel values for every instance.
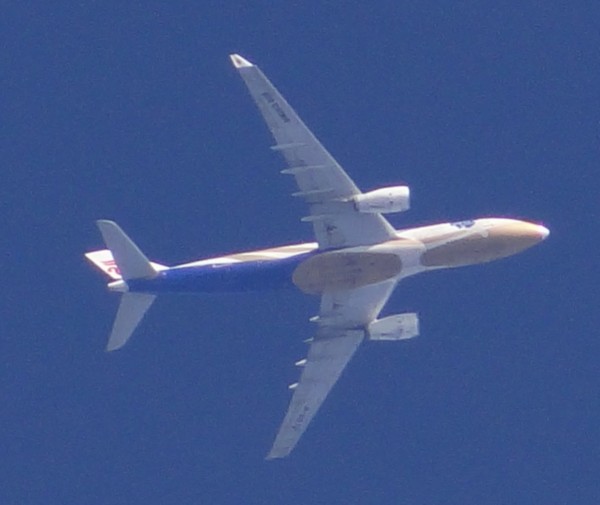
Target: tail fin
(104, 260)
(124, 261)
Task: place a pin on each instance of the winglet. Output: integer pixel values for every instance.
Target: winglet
(239, 62)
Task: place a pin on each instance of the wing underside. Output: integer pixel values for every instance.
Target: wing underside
(341, 322)
(327, 358)
(321, 181)
(344, 314)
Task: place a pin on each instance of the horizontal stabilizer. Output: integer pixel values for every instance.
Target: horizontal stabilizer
(131, 311)
(132, 262)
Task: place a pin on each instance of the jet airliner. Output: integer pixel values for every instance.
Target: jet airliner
(353, 265)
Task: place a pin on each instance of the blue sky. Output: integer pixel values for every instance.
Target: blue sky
(132, 111)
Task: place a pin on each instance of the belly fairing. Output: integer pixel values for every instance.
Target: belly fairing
(337, 271)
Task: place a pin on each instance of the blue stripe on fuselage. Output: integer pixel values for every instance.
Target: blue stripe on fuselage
(235, 277)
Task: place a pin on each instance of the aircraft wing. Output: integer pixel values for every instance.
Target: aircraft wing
(341, 320)
(321, 181)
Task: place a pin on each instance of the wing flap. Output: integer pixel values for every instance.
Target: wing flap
(355, 307)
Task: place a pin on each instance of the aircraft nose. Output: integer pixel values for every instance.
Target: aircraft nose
(521, 235)
(543, 231)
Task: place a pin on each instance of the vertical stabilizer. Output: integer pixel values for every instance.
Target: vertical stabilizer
(131, 311)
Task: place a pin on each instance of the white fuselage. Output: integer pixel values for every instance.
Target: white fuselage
(414, 250)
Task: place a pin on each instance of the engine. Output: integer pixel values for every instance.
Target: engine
(383, 200)
(398, 327)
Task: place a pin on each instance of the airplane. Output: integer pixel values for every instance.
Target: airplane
(354, 264)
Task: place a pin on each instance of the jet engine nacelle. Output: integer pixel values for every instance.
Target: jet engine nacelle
(398, 327)
(383, 200)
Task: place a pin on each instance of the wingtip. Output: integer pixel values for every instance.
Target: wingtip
(104, 222)
(271, 456)
(278, 453)
(239, 62)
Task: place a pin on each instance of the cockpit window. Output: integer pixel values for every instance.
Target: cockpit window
(463, 224)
